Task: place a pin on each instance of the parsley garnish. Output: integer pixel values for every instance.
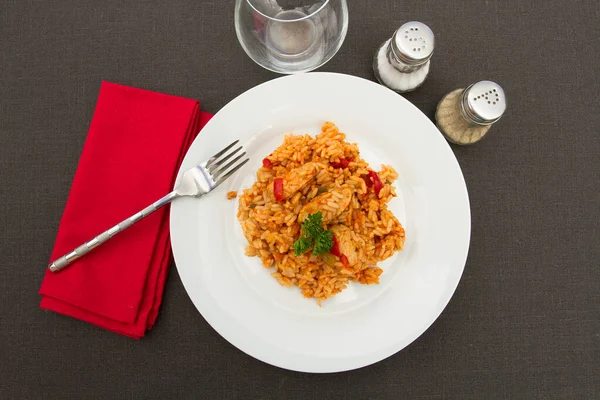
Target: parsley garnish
(323, 243)
(314, 235)
(302, 245)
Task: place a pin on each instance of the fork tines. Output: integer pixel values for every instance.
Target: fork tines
(218, 170)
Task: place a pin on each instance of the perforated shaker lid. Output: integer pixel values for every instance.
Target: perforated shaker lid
(413, 43)
(484, 102)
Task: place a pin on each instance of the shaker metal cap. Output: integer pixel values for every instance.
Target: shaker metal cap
(413, 43)
(484, 102)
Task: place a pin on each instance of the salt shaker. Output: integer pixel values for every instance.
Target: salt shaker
(402, 62)
(465, 115)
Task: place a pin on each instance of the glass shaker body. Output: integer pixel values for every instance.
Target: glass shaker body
(402, 62)
(464, 116)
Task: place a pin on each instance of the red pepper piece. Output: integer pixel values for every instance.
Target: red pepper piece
(344, 261)
(343, 163)
(377, 184)
(335, 249)
(278, 189)
(267, 163)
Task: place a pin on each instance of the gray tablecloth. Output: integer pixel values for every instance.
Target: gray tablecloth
(524, 322)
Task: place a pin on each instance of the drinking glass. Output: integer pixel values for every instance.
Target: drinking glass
(291, 36)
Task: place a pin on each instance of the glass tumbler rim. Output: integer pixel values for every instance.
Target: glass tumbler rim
(312, 14)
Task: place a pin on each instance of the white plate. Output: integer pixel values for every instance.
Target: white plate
(365, 323)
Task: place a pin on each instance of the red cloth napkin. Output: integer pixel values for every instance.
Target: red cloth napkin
(135, 145)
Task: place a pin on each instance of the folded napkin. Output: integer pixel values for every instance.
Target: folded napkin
(135, 145)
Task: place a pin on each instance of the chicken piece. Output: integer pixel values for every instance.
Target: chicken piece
(296, 179)
(347, 245)
(331, 204)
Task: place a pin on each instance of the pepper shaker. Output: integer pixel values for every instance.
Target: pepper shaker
(402, 62)
(465, 115)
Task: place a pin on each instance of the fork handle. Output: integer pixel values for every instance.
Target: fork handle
(85, 248)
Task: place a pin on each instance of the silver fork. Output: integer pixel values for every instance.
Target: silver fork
(195, 182)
